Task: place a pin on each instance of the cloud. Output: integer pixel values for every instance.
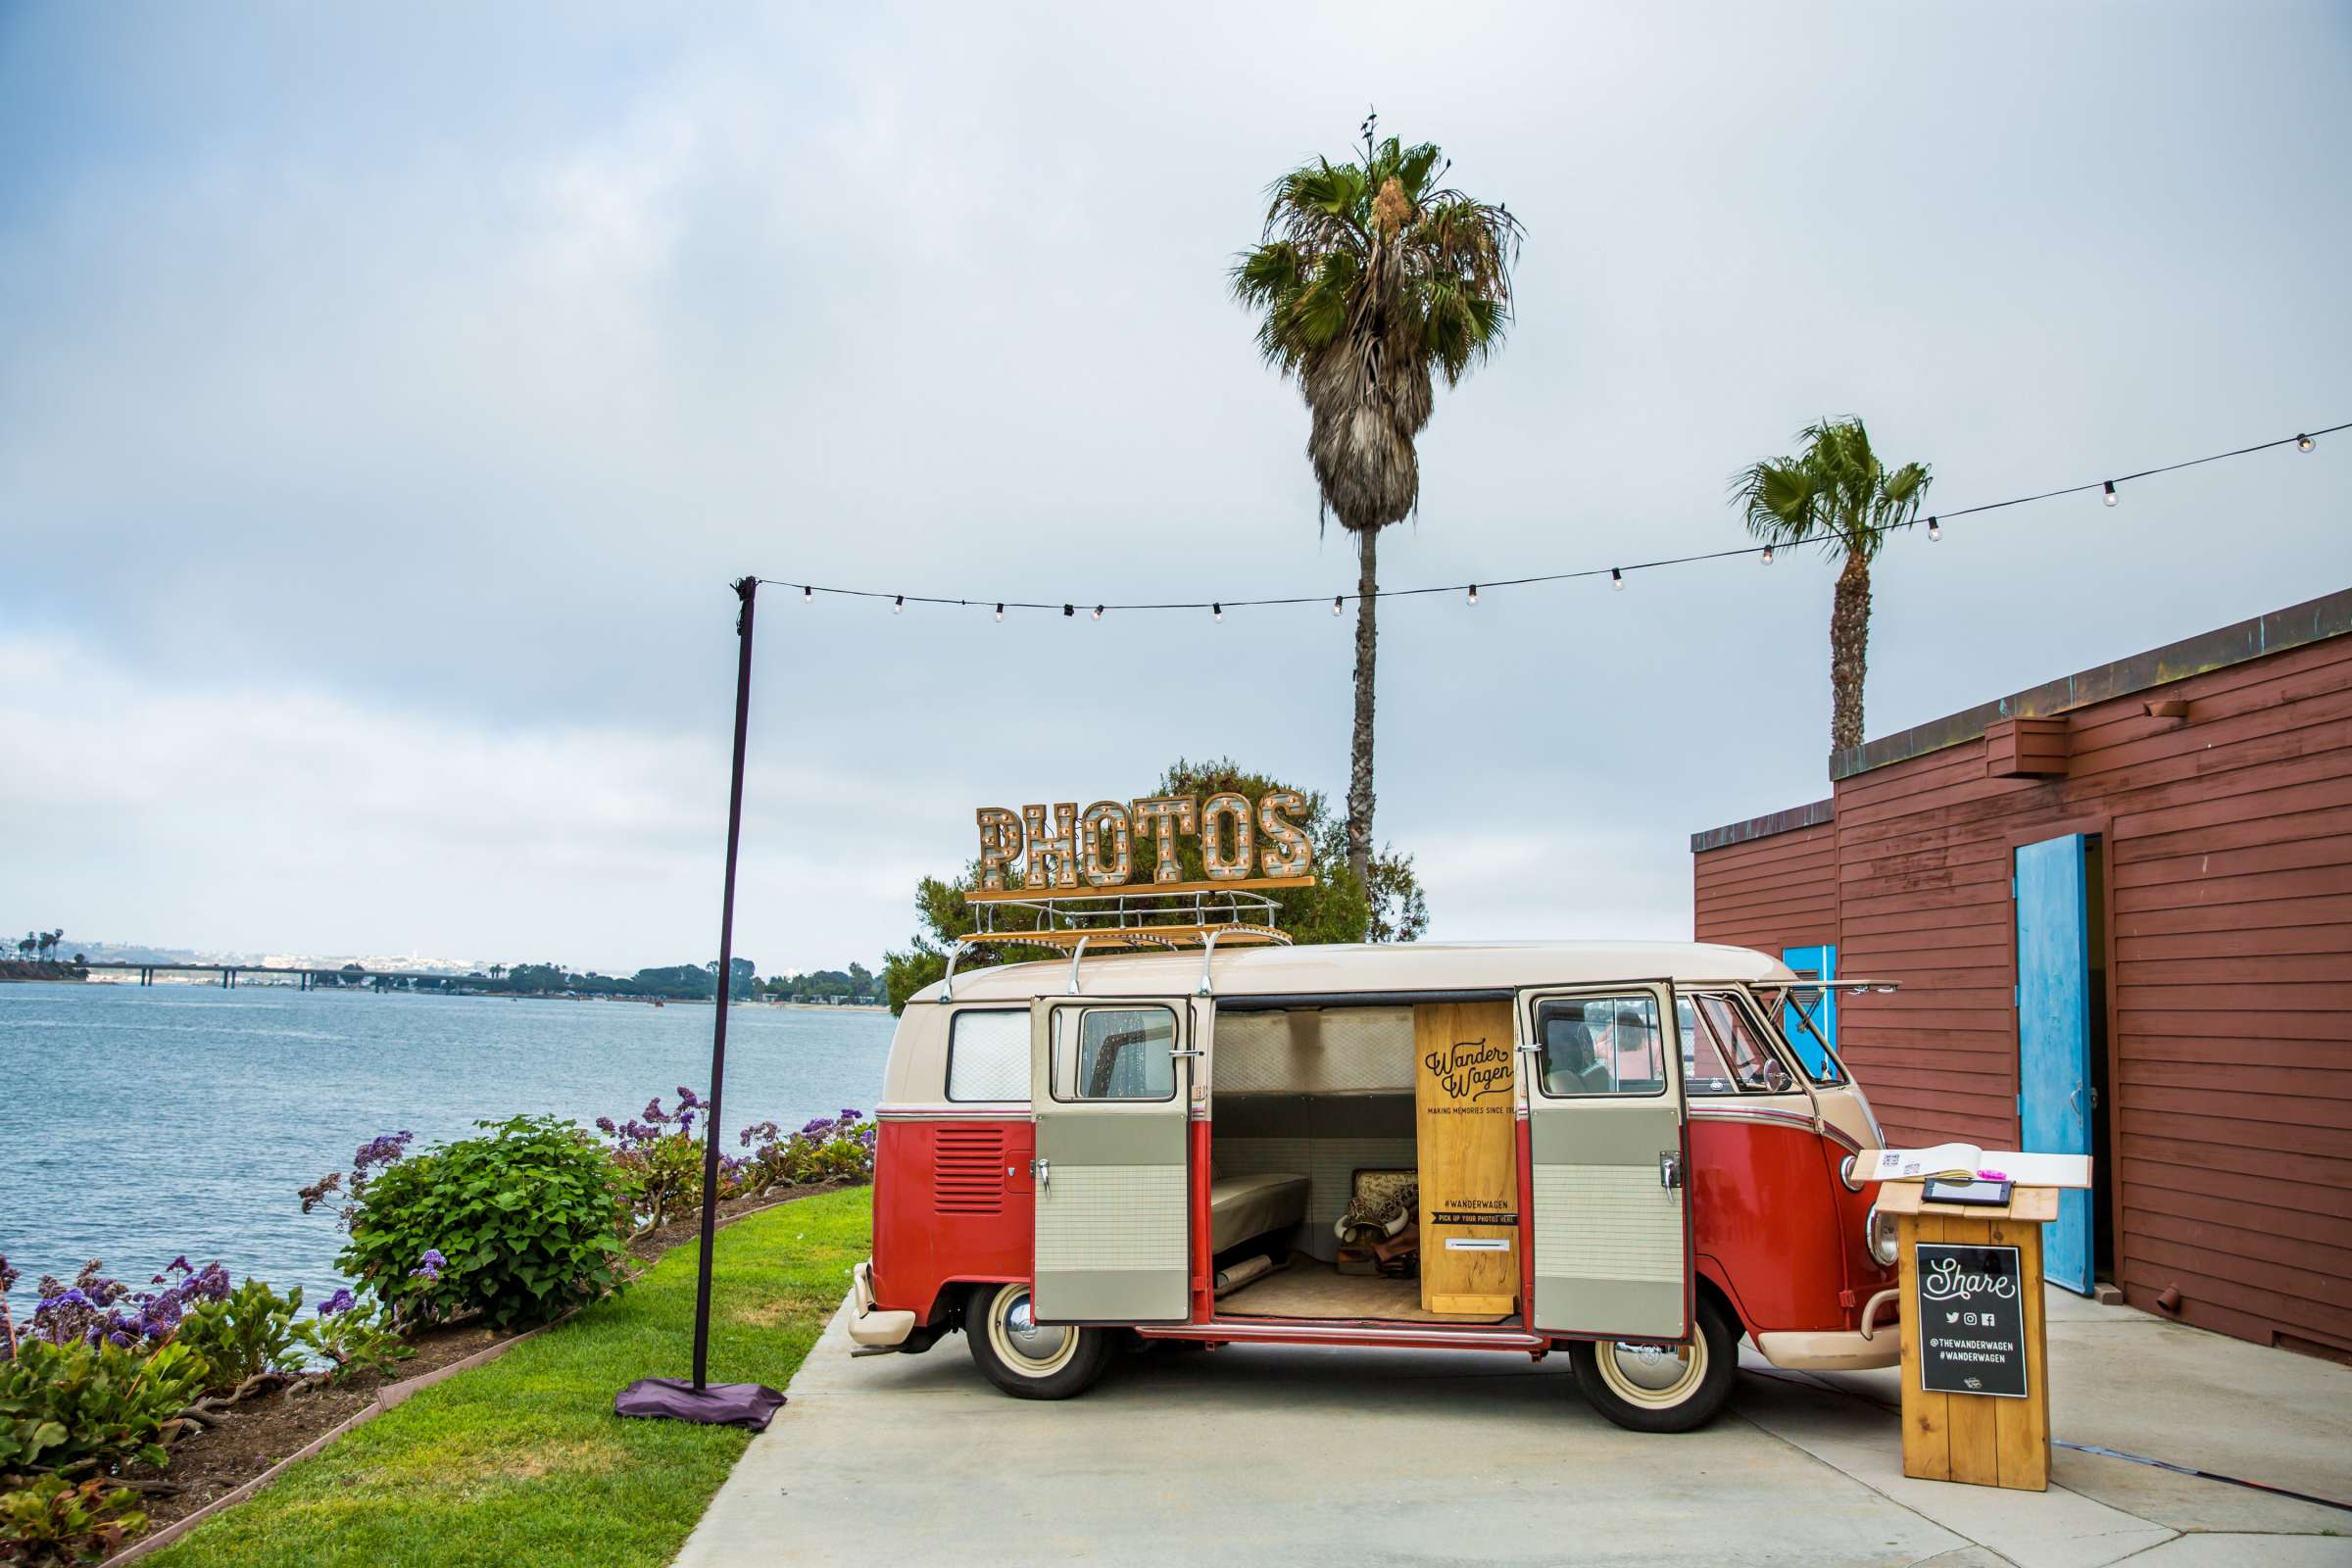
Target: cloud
(386, 400)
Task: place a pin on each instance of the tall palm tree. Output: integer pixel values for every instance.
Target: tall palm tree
(1835, 493)
(1369, 280)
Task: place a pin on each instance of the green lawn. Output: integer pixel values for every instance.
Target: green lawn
(522, 1463)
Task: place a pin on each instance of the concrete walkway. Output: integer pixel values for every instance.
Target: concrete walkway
(1299, 1455)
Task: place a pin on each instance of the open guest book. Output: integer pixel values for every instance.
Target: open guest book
(1966, 1161)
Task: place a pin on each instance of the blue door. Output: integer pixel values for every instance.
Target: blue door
(1821, 1011)
(2053, 1037)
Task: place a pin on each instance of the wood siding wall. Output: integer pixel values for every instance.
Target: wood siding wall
(1770, 893)
(2228, 970)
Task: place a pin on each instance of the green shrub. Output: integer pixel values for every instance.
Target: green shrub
(521, 1224)
(67, 1407)
(55, 1521)
(247, 1332)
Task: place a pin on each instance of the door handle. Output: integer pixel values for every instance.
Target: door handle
(2073, 1100)
(1041, 1171)
(1670, 1169)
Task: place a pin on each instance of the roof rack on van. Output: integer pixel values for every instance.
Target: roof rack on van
(1169, 915)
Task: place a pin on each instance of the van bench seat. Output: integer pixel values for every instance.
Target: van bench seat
(1242, 1206)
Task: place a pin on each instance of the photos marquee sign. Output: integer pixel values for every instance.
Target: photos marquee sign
(1063, 849)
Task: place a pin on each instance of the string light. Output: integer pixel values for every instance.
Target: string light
(2109, 494)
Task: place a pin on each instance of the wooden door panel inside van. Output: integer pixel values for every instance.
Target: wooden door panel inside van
(1762, 1208)
(942, 1212)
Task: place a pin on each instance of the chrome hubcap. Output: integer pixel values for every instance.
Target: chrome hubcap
(1649, 1371)
(1027, 1337)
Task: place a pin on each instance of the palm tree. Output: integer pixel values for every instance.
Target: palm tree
(1369, 279)
(1837, 494)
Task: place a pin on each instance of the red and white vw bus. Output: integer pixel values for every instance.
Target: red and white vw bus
(1177, 1146)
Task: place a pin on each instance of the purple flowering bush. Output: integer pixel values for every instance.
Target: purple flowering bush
(520, 1224)
(355, 1333)
(826, 1151)
(659, 1162)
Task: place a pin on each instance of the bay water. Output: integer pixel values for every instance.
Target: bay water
(138, 1123)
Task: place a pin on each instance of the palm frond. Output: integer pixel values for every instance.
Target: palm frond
(1835, 491)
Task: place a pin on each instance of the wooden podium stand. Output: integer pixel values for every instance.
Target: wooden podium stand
(1993, 1438)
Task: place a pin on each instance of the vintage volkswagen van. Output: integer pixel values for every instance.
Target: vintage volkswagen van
(1080, 1151)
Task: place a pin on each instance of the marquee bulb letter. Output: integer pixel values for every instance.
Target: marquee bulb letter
(1227, 860)
(1288, 851)
(1000, 845)
(1107, 816)
(1052, 857)
(1167, 815)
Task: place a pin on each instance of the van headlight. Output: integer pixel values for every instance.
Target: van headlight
(1879, 1238)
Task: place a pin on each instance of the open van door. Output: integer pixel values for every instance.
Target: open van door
(1112, 1091)
(1603, 1081)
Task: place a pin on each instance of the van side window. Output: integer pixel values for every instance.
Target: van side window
(1601, 1046)
(1121, 1053)
(988, 1055)
(1754, 1065)
(1705, 1071)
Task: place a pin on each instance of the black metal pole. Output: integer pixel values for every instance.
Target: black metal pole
(746, 590)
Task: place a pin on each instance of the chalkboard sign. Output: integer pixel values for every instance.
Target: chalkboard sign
(1971, 1319)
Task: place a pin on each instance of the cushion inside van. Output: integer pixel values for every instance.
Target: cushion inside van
(1242, 1206)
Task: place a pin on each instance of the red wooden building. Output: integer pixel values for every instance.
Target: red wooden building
(2119, 908)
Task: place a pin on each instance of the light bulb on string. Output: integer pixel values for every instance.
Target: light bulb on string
(1097, 612)
(1217, 614)
(1067, 612)
(1934, 531)
(2110, 497)
(1616, 579)
(1766, 558)
(1335, 604)
(2304, 443)
(1474, 593)
(898, 605)
(999, 611)
(807, 594)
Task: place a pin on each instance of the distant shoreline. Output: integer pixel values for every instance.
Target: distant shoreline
(60, 971)
(20, 969)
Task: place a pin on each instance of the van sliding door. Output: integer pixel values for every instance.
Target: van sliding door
(1110, 1090)
(1603, 1085)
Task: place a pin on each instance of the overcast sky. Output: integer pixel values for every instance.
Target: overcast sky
(386, 401)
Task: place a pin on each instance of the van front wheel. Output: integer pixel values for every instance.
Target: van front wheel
(1026, 1358)
(1648, 1388)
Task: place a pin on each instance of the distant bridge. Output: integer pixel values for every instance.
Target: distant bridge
(310, 976)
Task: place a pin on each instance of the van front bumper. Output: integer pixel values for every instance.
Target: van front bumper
(1875, 1343)
(871, 1326)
